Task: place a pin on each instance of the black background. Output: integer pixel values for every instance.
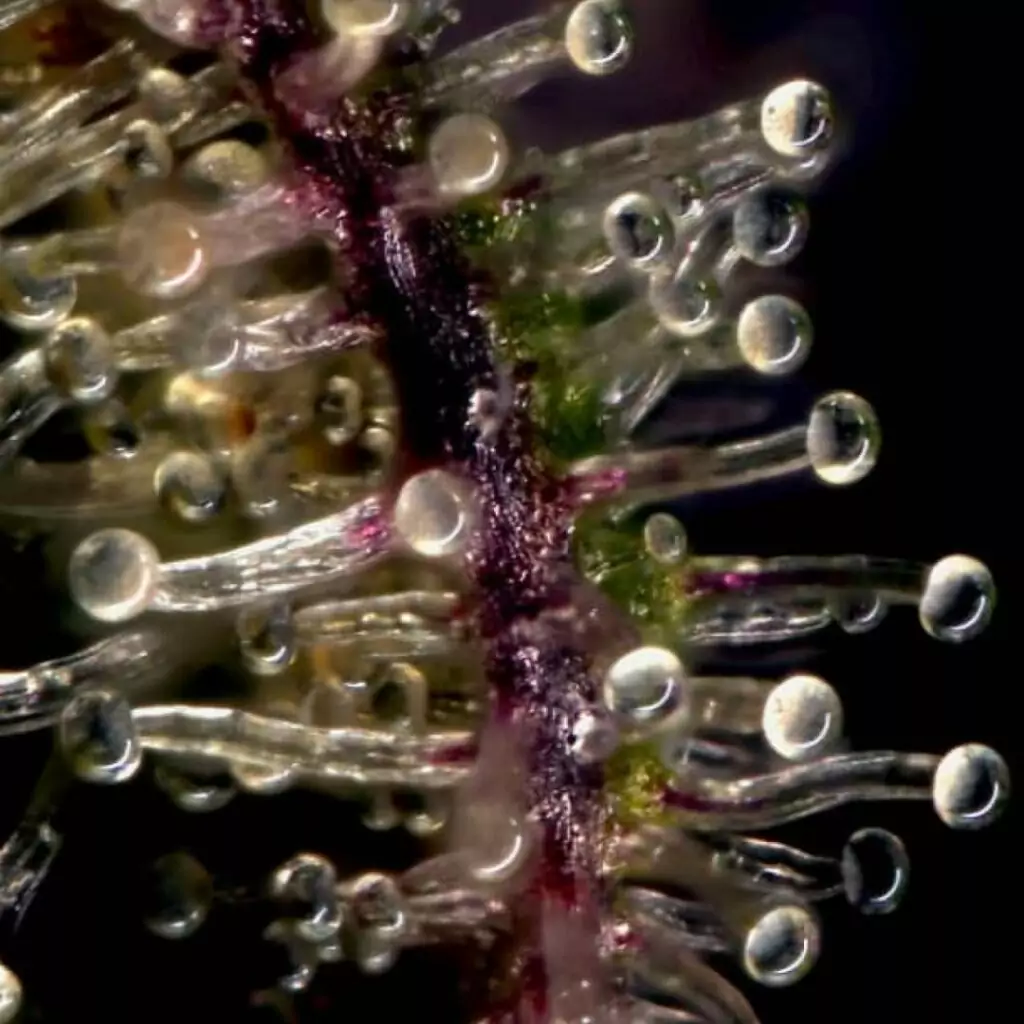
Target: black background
(907, 278)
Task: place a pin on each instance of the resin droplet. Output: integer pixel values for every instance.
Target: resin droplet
(161, 251)
(32, 303)
(468, 155)
(971, 786)
(598, 36)
(79, 362)
(770, 227)
(10, 994)
(163, 93)
(113, 575)
(266, 638)
(638, 231)
(498, 843)
(782, 946)
(774, 335)
(685, 307)
(148, 155)
(843, 438)
(958, 601)
(311, 880)
(179, 897)
(802, 718)
(432, 514)
(645, 686)
(197, 794)
(665, 539)
(98, 738)
(876, 870)
(797, 119)
(341, 409)
(190, 486)
(225, 170)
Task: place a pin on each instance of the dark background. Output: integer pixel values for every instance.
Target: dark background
(911, 303)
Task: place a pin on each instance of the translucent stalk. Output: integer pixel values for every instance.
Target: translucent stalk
(742, 624)
(773, 799)
(840, 443)
(710, 155)
(85, 156)
(740, 726)
(419, 622)
(25, 860)
(12, 11)
(688, 992)
(29, 852)
(780, 869)
(360, 757)
(694, 925)
(955, 597)
(500, 66)
(669, 473)
(46, 117)
(776, 941)
(27, 401)
(968, 788)
(746, 725)
(98, 485)
(896, 580)
(638, 360)
(32, 698)
(729, 703)
(261, 336)
(115, 485)
(165, 250)
(116, 575)
(213, 107)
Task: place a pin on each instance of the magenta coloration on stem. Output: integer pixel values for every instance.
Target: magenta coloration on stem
(409, 277)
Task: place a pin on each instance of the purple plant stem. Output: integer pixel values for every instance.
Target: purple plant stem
(407, 275)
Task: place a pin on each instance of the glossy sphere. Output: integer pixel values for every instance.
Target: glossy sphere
(31, 303)
(665, 539)
(638, 231)
(468, 155)
(432, 514)
(876, 870)
(310, 880)
(770, 227)
(774, 335)
(181, 893)
(10, 995)
(782, 946)
(266, 638)
(191, 486)
(802, 718)
(79, 362)
(971, 787)
(161, 251)
(98, 738)
(225, 170)
(958, 600)
(114, 574)
(598, 37)
(843, 438)
(646, 686)
(797, 119)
